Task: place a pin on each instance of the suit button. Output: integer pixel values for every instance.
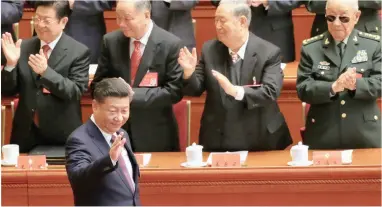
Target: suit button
(362, 70)
(376, 117)
(343, 115)
(322, 72)
(32, 110)
(317, 29)
(343, 102)
(313, 120)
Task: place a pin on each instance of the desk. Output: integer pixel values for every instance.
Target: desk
(266, 180)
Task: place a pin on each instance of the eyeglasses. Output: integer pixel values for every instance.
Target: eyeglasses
(332, 18)
(45, 21)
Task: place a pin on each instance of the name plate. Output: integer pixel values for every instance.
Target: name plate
(226, 160)
(327, 158)
(34, 162)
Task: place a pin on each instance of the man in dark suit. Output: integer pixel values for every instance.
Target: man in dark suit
(272, 21)
(175, 16)
(100, 163)
(342, 92)
(49, 73)
(369, 21)
(146, 56)
(11, 12)
(243, 78)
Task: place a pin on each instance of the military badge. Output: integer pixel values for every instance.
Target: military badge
(324, 65)
(361, 56)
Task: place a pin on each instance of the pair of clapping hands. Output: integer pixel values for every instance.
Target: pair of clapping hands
(346, 80)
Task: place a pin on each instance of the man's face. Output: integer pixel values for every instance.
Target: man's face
(112, 114)
(133, 23)
(47, 25)
(228, 27)
(345, 19)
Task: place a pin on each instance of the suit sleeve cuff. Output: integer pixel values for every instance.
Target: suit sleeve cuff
(240, 93)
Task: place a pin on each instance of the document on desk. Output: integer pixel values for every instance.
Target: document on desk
(243, 156)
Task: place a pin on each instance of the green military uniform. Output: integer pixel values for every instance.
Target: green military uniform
(369, 22)
(349, 119)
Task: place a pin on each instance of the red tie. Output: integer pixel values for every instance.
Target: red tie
(122, 164)
(45, 49)
(135, 59)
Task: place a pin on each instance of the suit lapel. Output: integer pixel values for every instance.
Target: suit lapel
(221, 65)
(34, 50)
(104, 148)
(59, 52)
(249, 62)
(125, 57)
(330, 50)
(350, 51)
(147, 57)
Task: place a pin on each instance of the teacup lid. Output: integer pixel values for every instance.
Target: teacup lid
(300, 146)
(194, 146)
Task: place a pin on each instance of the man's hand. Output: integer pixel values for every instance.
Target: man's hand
(117, 146)
(71, 3)
(187, 61)
(10, 49)
(227, 86)
(38, 62)
(350, 77)
(256, 3)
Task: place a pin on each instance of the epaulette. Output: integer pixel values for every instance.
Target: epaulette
(369, 36)
(313, 39)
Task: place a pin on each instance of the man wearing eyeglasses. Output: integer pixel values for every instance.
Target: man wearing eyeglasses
(369, 21)
(49, 72)
(340, 77)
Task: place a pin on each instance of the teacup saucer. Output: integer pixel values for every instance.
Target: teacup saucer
(185, 164)
(300, 164)
(6, 163)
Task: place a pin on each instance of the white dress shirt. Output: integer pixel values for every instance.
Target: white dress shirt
(143, 40)
(107, 137)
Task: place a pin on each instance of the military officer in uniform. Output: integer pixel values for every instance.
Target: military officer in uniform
(369, 21)
(339, 75)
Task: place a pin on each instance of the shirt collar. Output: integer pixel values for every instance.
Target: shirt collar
(106, 135)
(241, 51)
(344, 41)
(51, 44)
(146, 36)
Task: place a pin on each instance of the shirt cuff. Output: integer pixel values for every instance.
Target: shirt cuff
(267, 7)
(9, 68)
(240, 93)
(168, 1)
(114, 162)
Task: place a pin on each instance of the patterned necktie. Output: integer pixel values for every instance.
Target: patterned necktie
(135, 59)
(122, 164)
(45, 50)
(234, 56)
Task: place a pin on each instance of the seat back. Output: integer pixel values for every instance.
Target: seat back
(182, 111)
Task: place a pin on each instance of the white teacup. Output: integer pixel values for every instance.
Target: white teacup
(299, 153)
(10, 153)
(194, 155)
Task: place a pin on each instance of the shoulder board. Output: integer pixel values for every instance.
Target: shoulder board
(369, 36)
(313, 39)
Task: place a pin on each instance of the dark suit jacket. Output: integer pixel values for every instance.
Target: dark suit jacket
(152, 125)
(66, 78)
(255, 123)
(350, 119)
(176, 18)
(94, 179)
(87, 24)
(369, 22)
(11, 12)
(275, 25)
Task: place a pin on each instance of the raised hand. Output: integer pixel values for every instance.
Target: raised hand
(227, 86)
(38, 62)
(10, 49)
(117, 146)
(187, 61)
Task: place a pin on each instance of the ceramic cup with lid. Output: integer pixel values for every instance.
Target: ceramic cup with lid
(299, 153)
(194, 154)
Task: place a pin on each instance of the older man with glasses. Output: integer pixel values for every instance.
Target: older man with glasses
(340, 77)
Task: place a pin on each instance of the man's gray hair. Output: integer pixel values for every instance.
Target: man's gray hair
(140, 5)
(239, 8)
(352, 3)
